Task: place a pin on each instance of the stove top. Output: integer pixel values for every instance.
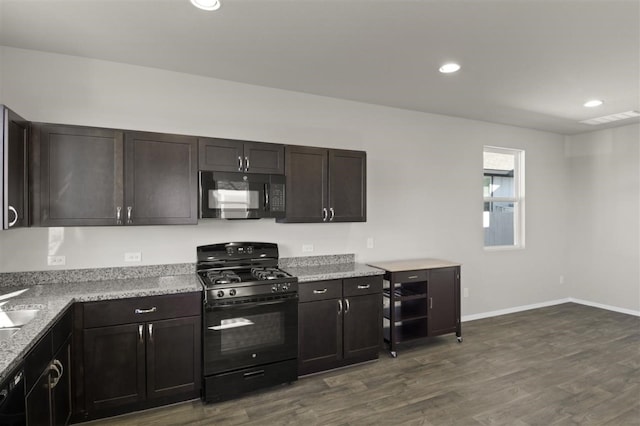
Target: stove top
(233, 270)
(216, 277)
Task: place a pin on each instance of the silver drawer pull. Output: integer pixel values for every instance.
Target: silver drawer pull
(145, 311)
(412, 277)
(363, 286)
(15, 213)
(323, 291)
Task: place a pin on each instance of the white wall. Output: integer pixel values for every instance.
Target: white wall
(424, 175)
(604, 217)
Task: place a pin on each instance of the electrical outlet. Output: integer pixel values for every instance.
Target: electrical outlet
(133, 257)
(370, 242)
(307, 248)
(465, 292)
(56, 260)
(561, 280)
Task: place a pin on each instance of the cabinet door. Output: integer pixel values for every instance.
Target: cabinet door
(161, 179)
(264, 158)
(444, 301)
(347, 186)
(173, 357)
(38, 401)
(114, 362)
(306, 190)
(319, 335)
(13, 170)
(61, 391)
(362, 326)
(80, 175)
(221, 155)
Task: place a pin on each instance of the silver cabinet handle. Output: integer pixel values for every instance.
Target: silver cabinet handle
(145, 311)
(346, 306)
(150, 328)
(363, 286)
(141, 333)
(332, 214)
(323, 291)
(129, 209)
(239, 164)
(412, 277)
(53, 367)
(15, 213)
(246, 164)
(324, 214)
(118, 215)
(431, 303)
(339, 306)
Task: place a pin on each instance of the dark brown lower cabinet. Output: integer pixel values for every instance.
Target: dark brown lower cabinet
(47, 377)
(339, 323)
(138, 365)
(420, 302)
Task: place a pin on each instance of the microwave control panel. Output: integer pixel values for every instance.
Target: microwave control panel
(277, 197)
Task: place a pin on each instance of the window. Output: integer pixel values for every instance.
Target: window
(503, 187)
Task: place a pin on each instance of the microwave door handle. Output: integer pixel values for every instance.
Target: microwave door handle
(266, 197)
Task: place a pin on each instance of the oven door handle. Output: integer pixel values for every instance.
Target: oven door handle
(250, 305)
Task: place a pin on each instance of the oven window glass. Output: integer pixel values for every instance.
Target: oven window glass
(251, 331)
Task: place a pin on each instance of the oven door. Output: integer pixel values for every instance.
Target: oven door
(233, 195)
(247, 334)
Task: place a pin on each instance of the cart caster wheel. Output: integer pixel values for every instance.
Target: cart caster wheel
(460, 339)
(394, 354)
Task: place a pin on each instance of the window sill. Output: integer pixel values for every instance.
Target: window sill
(504, 248)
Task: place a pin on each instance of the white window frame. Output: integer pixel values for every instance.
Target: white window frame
(518, 199)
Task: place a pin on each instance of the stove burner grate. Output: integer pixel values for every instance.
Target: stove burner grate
(269, 273)
(223, 277)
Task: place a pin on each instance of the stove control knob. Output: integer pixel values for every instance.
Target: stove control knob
(220, 293)
(274, 288)
(232, 292)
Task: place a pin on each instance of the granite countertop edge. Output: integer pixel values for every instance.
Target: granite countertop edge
(52, 301)
(332, 271)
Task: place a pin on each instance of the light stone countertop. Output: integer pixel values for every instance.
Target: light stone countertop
(52, 300)
(331, 271)
(413, 264)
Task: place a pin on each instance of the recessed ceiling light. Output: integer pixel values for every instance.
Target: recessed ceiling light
(593, 103)
(449, 68)
(206, 4)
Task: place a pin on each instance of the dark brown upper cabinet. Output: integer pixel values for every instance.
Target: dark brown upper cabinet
(226, 155)
(13, 170)
(161, 179)
(325, 185)
(86, 176)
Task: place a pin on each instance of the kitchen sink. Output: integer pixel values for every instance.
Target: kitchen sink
(13, 319)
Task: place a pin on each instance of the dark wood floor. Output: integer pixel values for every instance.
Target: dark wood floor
(562, 365)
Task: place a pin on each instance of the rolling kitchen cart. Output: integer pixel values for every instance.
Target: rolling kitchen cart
(422, 299)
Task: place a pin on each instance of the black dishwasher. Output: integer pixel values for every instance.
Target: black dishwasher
(12, 408)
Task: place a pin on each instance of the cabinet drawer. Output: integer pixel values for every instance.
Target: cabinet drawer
(319, 290)
(362, 285)
(141, 309)
(409, 276)
(62, 330)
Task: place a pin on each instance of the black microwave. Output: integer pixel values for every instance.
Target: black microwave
(230, 195)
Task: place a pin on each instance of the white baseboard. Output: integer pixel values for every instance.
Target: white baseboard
(466, 318)
(474, 317)
(607, 307)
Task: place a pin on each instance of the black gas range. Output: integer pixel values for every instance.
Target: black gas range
(250, 320)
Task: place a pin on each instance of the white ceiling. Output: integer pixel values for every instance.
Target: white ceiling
(529, 63)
